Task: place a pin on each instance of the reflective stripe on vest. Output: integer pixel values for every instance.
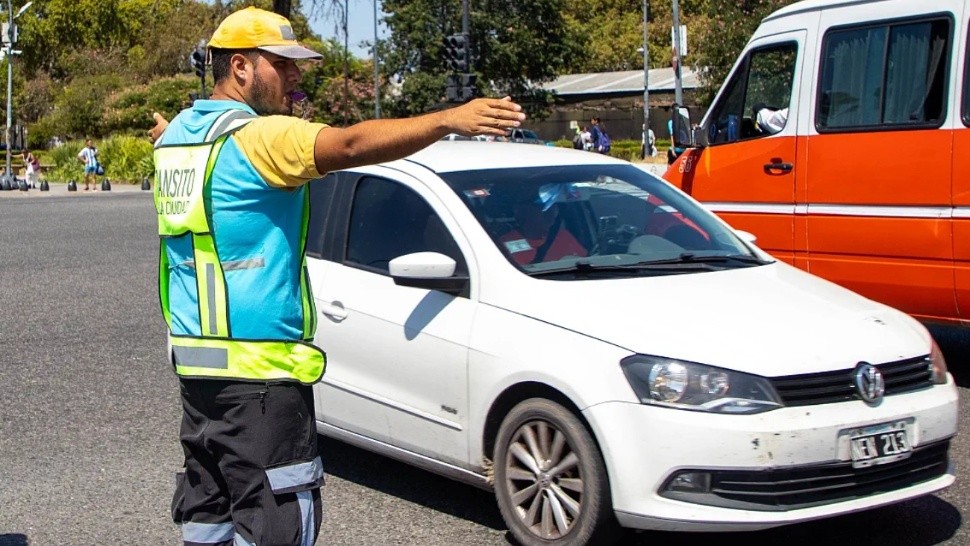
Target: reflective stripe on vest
(247, 359)
(182, 194)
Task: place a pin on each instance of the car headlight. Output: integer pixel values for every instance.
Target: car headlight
(692, 386)
(937, 364)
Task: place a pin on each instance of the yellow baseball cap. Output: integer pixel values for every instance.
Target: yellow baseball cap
(254, 28)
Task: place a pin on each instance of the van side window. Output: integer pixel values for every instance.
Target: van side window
(762, 84)
(966, 85)
(884, 76)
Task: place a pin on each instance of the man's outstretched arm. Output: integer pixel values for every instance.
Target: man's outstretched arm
(381, 140)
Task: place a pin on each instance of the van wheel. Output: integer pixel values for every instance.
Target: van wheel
(550, 481)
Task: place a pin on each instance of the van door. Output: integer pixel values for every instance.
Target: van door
(746, 174)
(961, 189)
(878, 197)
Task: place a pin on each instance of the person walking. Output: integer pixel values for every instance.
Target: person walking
(31, 168)
(89, 157)
(232, 213)
(600, 138)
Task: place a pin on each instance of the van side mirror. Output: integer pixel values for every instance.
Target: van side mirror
(682, 133)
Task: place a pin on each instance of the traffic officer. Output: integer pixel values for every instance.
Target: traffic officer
(232, 214)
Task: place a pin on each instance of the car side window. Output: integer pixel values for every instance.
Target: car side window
(885, 76)
(388, 220)
(760, 90)
(321, 196)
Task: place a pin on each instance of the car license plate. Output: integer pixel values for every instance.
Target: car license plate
(879, 444)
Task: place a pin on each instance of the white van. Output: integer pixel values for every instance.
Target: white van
(840, 139)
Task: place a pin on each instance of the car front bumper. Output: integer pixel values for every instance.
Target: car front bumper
(644, 446)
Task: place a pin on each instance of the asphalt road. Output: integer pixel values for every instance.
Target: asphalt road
(89, 410)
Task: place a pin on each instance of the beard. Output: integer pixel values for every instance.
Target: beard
(261, 100)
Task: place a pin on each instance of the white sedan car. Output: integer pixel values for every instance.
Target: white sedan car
(591, 344)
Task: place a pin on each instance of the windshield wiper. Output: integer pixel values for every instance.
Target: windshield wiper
(686, 262)
(691, 258)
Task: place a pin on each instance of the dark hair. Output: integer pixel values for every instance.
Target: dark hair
(220, 60)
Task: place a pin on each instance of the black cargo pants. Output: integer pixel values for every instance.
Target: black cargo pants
(252, 471)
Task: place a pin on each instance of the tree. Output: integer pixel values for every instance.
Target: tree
(720, 43)
(515, 45)
(610, 32)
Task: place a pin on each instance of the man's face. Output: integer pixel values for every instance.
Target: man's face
(274, 77)
(87, 143)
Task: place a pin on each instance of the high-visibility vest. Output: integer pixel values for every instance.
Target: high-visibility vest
(182, 192)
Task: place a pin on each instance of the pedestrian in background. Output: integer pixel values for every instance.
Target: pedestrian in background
(587, 139)
(240, 314)
(601, 139)
(31, 168)
(89, 157)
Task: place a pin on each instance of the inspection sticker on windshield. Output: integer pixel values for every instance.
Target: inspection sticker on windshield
(477, 192)
(519, 245)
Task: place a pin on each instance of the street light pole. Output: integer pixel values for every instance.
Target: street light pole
(8, 49)
(377, 76)
(646, 82)
(9, 52)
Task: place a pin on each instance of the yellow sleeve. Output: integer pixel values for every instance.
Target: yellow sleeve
(280, 149)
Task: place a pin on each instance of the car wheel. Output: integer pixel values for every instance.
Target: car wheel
(550, 481)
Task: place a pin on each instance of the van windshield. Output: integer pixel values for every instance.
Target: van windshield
(590, 220)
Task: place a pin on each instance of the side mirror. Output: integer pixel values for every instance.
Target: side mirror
(428, 270)
(682, 133)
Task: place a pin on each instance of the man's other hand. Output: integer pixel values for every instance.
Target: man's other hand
(155, 132)
(485, 117)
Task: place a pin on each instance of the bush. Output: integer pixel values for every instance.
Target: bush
(125, 159)
(66, 165)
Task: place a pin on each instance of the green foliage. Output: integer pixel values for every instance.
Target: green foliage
(720, 43)
(518, 45)
(130, 109)
(126, 158)
(93, 68)
(626, 149)
(610, 32)
(66, 165)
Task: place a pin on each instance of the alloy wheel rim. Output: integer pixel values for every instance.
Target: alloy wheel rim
(544, 480)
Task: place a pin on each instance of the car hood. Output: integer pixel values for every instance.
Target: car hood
(771, 320)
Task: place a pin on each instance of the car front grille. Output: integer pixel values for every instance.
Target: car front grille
(828, 387)
(803, 487)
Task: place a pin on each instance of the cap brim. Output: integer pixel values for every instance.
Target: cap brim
(292, 52)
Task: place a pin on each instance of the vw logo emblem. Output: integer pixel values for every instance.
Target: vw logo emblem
(869, 382)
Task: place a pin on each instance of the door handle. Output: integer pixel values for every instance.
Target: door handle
(334, 310)
(778, 165)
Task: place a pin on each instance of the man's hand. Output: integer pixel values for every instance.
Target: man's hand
(155, 132)
(485, 117)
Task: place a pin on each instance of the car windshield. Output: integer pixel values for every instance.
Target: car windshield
(586, 221)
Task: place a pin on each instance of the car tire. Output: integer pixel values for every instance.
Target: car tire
(550, 481)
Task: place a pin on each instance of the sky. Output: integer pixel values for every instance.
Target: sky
(360, 26)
